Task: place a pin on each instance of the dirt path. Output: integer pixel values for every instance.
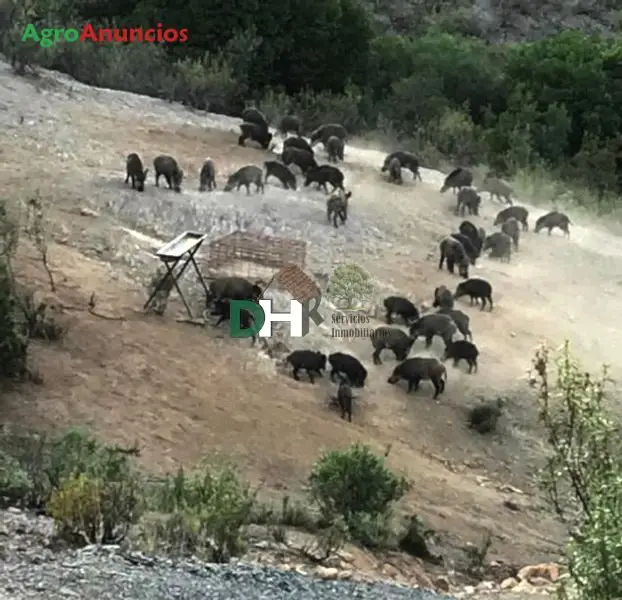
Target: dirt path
(181, 392)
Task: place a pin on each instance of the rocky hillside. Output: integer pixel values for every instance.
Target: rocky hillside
(500, 21)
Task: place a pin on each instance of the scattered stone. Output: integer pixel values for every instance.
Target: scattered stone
(327, 572)
(511, 505)
(547, 571)
(344, 575)
(508, 583)
(510, 489)
(483, 586)
(539, 581)
(524, 587)
(88, 212)
(442, 584)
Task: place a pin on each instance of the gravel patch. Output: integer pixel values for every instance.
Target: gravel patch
(32, 568)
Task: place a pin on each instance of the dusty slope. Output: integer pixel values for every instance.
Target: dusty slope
(180, 392)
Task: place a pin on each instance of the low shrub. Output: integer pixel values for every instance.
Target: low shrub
(15, 484)
(49, 462)
(202, 512)
(356, 485)
(95, 509)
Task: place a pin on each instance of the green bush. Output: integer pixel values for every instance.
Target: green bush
(90, 490)
(47, 462)
(13, 342)
(137, 68)
(203, 512)
(95, 509)
(371, 531)
(583, 474)
(15, 484)
(355, 484)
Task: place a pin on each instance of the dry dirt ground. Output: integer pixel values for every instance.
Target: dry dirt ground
(180, 391)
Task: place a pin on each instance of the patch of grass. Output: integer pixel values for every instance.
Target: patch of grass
(201, 512)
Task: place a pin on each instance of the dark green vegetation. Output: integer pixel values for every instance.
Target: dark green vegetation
(555, 103)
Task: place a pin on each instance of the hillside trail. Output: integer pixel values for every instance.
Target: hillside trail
(122, 380)
(554, 288)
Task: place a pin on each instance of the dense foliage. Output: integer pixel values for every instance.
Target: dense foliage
(555, 103)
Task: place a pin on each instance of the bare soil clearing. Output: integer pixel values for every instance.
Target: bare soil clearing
(181, 392)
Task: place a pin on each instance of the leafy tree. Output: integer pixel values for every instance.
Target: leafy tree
(415, 101)
(583, 474)
(350, 285)
(390, 60)
(471, 72)
(568, 70)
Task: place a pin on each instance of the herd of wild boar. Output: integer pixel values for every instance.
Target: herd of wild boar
(296, 151)
(460, 249)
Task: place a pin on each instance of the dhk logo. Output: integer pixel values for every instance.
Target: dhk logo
(299, 317)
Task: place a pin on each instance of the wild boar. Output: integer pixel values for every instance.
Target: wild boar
(322, 133)
(476, 289)
(552, 220)
(452, 251)
(256, 133)
(457, 179)
(135, 172)
(520, 213)
(334, 148)
(281, 172)
(308, 360)
(431, 325)
(168, 167)
(207, 178)
(393, 339)
(417, 369)
(244, 177)
(323, 175)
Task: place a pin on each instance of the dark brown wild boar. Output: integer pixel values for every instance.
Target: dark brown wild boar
(135, 172)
